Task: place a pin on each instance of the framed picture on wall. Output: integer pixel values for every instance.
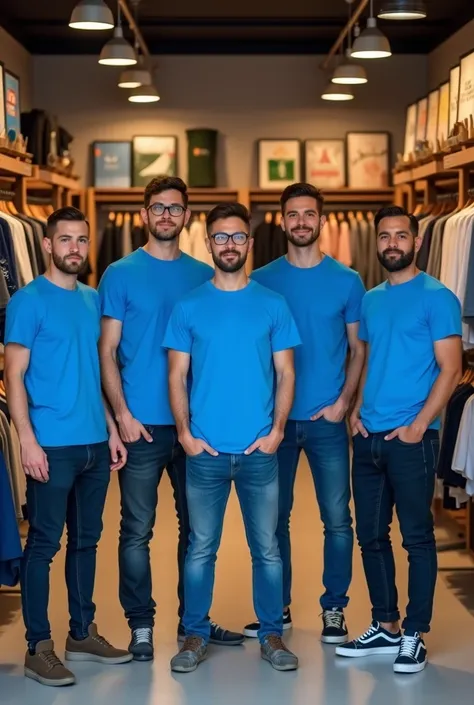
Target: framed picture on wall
(432, 118)
(421, 119)
(279, 163)
(12, 104)
(2, 99)
(466, 87)
(410, 130)
(112, 164)
(443, 113)
(153, 156)
(454, 76)
(368, 159)
(325, 163)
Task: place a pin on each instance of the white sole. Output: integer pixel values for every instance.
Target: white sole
(335, 639)
(47, 681)
(415, 668)
(287, 667)
(252, 634)
(360, 653)
(79, 656)
(188, 669)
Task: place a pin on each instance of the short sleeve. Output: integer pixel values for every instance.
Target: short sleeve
(178, 334)
(354, 302)
(363, 332)
(113, 299)
(285, 334)
(444, 315)
(23, 319)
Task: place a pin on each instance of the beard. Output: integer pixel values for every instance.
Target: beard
(162, 235)
(67, 265)
(307, 237)
(392, 264)
(229, 266)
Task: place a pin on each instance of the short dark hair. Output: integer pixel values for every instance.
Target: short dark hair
(69, 213)
(228, 210)
(302, 189)
(396, 212)
(166, 183)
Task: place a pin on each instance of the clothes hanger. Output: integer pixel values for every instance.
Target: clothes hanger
(278, 219)
(119, 220)
(268, 217)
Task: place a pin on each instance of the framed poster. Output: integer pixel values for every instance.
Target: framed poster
(368, 159)
(466, 87)
(112, 164)
(443, 113)
(410, 130)
(153, 156)
(325, 163)
(432, 118)
(454, 76)
(2, 99)
(279, 163)
(12, 104)
(421, 119)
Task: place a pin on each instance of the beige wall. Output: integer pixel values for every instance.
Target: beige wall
(444, 57)
(245, 98)
(20, 62)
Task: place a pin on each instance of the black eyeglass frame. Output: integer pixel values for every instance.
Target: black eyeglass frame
(167, 208)
(230, 237)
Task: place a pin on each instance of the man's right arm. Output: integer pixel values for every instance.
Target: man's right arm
(355, 423)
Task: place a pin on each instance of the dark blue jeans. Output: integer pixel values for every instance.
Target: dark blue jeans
(74, 495)
(139, 481)
(326, 446)
(388, 474)
(208, 485)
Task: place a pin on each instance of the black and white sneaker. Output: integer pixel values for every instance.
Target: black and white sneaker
(334, 627)
(251, 630)
(376, 640)
(141, 645)
(412, 656)
(218, 635)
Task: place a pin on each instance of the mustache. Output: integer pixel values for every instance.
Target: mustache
(230, 252)
(393, 252)
(305, 230)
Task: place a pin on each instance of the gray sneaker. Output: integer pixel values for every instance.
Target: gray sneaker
(275, 652)
(188, 658)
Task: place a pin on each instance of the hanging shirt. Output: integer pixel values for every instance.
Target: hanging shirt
(463, 458)
(401, 323)
(323, 300)
(231, 337)
(140, 291)
(61, 329)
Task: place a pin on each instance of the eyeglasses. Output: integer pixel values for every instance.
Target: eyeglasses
(237, 238)
(174, 210)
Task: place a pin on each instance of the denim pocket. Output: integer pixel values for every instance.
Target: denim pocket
(435, 450)
(265, 455)
(408, 445)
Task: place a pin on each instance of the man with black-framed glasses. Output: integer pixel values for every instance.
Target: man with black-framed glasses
(137, 295)
(239, 338)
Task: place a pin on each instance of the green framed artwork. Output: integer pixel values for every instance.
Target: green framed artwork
(279, 163)
(153, 156)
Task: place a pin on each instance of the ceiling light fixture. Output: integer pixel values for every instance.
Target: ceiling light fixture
(371, 43)
(403, 10)
(138, 76)
(91, 14)
(117, 51)
(144, 94)
(337, 93)
(349, 73)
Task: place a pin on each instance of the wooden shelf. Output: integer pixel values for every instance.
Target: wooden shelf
(10, 166)
(403, 177)
(342, 195)
(43, 177)
(434, 168)
(457, 160)
(135, 195)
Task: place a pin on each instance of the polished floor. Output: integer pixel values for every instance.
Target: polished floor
(236, 675)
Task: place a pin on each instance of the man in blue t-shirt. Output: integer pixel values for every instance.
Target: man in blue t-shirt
(137, 296)
(237, 338)
(52, 378)
(411, 325)
(325, 298)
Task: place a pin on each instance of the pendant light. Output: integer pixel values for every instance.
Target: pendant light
(349, 73)
(117, 51)
(91, 14)
(403, 10)
(371, 43)
(337, 93)
(144, 94)
(137, 76)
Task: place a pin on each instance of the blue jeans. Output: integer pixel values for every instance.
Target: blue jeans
(74, 495)
(326, 446)
(388, 474)
(139, 481)
(208, 486)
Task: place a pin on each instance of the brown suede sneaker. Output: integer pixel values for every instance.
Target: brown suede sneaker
(45, 667)
(95, 648)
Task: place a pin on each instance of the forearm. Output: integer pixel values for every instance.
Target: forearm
(353, 376)
(360, 389)
(18, 406)
(178, 391)
(438, 398)
(112, 384)
(109, 419)
(285, 393)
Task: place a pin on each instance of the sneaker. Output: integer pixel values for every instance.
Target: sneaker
(188, 658)
(219, 636)
(95, 648)
(251, 630)
(412, 656)
(277, 654)
(141, 645)
(376, 640)
(334, 627)
(45, 667)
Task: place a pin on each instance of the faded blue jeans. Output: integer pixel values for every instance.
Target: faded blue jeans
(327, 448)
(208, 484)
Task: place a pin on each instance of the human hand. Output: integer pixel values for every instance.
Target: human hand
(267, 444)
(194, 446)
(118, 452)
(130, 429)
(334, 413)
(411, 434)
(357, 426)
(34, 460)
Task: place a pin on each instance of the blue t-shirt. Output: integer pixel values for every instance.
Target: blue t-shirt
(141, 291)
(231, 337)
(61, 328)
(323, 300)
(401, 323)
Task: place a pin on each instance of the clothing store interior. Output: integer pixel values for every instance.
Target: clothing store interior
(372, 101)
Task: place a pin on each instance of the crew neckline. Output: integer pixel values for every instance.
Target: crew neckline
(306, 269)
(56, 287)
(403, 285)
(161, 261)
(213, 287)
